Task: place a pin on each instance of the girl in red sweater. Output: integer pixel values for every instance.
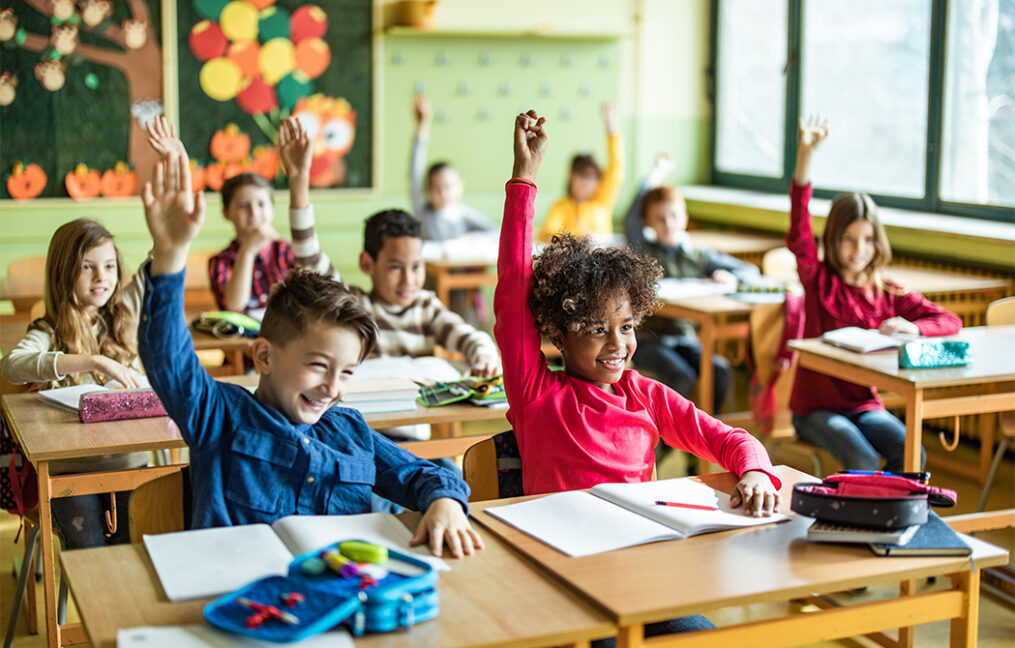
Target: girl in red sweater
(845, 288)
(596, 421)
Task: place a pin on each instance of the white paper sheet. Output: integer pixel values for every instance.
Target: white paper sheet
(203, 636)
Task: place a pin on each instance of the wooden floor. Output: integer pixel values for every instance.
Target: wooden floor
(997, 619)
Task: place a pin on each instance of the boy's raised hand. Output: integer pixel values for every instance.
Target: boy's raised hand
(445, 523)
(162, 137)
(757, 493)
(610, 117)
(294, 147)
(174, 215)
(421, 110)
(530, 145)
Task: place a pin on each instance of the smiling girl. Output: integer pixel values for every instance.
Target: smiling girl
(846, 289)
(88, 335)
(596, 421)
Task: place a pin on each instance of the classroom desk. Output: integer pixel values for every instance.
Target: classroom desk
(47, 433)
(746, 246)
(494, 598)
(664, 580)
(718, 317)
(986, 385)
(450, 275)
(966, 295)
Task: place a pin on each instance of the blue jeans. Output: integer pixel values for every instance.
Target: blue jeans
(856, 439)
(674, 360)
(81, 520)
(673, 626)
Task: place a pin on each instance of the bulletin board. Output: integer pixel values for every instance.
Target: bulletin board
(477, 83)
(246, 66)
(76, 81)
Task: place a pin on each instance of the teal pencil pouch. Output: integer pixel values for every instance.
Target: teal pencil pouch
(929, 354)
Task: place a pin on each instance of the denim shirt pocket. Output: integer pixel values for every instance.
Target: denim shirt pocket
(260, 475)
(356, 477)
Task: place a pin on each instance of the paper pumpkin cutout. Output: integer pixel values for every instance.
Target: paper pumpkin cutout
(313, 56)
(119, 182)
(213, 176)
(26, 181)
(239, 21)
(221, 79)
(266, 162)
(207, 41)
(196, 176)
(309, 21)
(83, 183)
(230, 144)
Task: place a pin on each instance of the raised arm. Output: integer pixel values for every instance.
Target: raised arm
(296, 153)
(417, 163)
(800, 236)
(634, 220)
(515, 328)
(613, 175)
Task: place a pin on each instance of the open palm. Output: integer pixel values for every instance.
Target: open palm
(294, 146)
(173, 213)
(813, 131)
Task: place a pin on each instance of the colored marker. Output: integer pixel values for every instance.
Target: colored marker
(700, 507)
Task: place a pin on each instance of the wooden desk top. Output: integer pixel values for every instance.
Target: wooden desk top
(494, 598)
(669, 579)
(709, 305)
(460, 263)
(930, 281)
(735, 242)
(12, 332)
(992, 348)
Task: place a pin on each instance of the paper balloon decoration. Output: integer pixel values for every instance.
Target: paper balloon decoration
(221, 79)
(276, 59)
(273, 23)
(313, 56)
(261, 4)
(207, 40)
(244, 54)
(239, 21)
(309, 21)
(210, 9)
(258, 97)
(292, 88)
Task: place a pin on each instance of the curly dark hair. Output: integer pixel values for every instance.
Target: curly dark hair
(572, 278)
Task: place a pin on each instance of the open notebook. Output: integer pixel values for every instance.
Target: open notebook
(861, 340)
(209, 562)
(614, 516)
(68, 398)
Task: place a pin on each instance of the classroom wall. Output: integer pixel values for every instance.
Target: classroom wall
(659, 50)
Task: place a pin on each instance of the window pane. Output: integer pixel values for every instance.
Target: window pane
(750, 113)
(865, 65)
(978, 158)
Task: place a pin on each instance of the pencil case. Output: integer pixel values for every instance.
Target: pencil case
(928, 354)
(227, 324)
(119, 405)
(320, 593)
(872, 499)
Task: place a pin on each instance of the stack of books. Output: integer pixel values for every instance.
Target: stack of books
(380, 395)
(932, 538)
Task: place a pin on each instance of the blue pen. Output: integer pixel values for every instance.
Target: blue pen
(922, 477)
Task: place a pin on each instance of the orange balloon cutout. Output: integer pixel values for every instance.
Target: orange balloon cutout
(313, 56)
(244, 54)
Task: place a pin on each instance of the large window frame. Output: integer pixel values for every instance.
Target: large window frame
(931, 201)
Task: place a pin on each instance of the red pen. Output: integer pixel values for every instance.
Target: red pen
(700, 507)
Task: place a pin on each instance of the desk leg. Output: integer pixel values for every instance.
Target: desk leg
(964, 628)
(441, 285)
(632, 636)
(906, 588)
(706, 395)
(914, 431)
(48, 561)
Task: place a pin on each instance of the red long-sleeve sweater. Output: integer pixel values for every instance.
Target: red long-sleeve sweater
(571, 434)
(830, 303)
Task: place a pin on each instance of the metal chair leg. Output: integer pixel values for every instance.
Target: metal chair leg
(61, 609)
(31, 542)
(994, 465)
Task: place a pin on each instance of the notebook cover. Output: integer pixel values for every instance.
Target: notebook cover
(933, 538)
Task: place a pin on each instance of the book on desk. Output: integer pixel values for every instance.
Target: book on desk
(614, 516)
(862, 340)
(933, 538)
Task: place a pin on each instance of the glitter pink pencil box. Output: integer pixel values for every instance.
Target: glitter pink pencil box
(119, 405)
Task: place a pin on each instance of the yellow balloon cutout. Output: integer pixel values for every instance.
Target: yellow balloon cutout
(239, 21)
(276, 59)
(221, 79)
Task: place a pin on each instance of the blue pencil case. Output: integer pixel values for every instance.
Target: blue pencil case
(929, 354)
(313, 598)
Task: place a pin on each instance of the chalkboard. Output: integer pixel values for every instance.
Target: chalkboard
(245, 66)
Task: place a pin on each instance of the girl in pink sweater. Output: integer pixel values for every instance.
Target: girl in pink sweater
(846, 289)
(596, 421)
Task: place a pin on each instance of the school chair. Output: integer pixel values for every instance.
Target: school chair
(779, 263)
(162, 505)
(26, 583)
(37, 310)
(999, 313)
(493, 468)
(197, 294)
(33, 266)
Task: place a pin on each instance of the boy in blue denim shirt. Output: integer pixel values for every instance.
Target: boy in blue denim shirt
(283, 450)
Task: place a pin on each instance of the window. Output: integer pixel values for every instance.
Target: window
(919, 95)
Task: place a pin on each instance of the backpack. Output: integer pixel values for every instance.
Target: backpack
(19, 488)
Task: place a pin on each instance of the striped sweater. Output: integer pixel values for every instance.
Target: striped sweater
(417, 329)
